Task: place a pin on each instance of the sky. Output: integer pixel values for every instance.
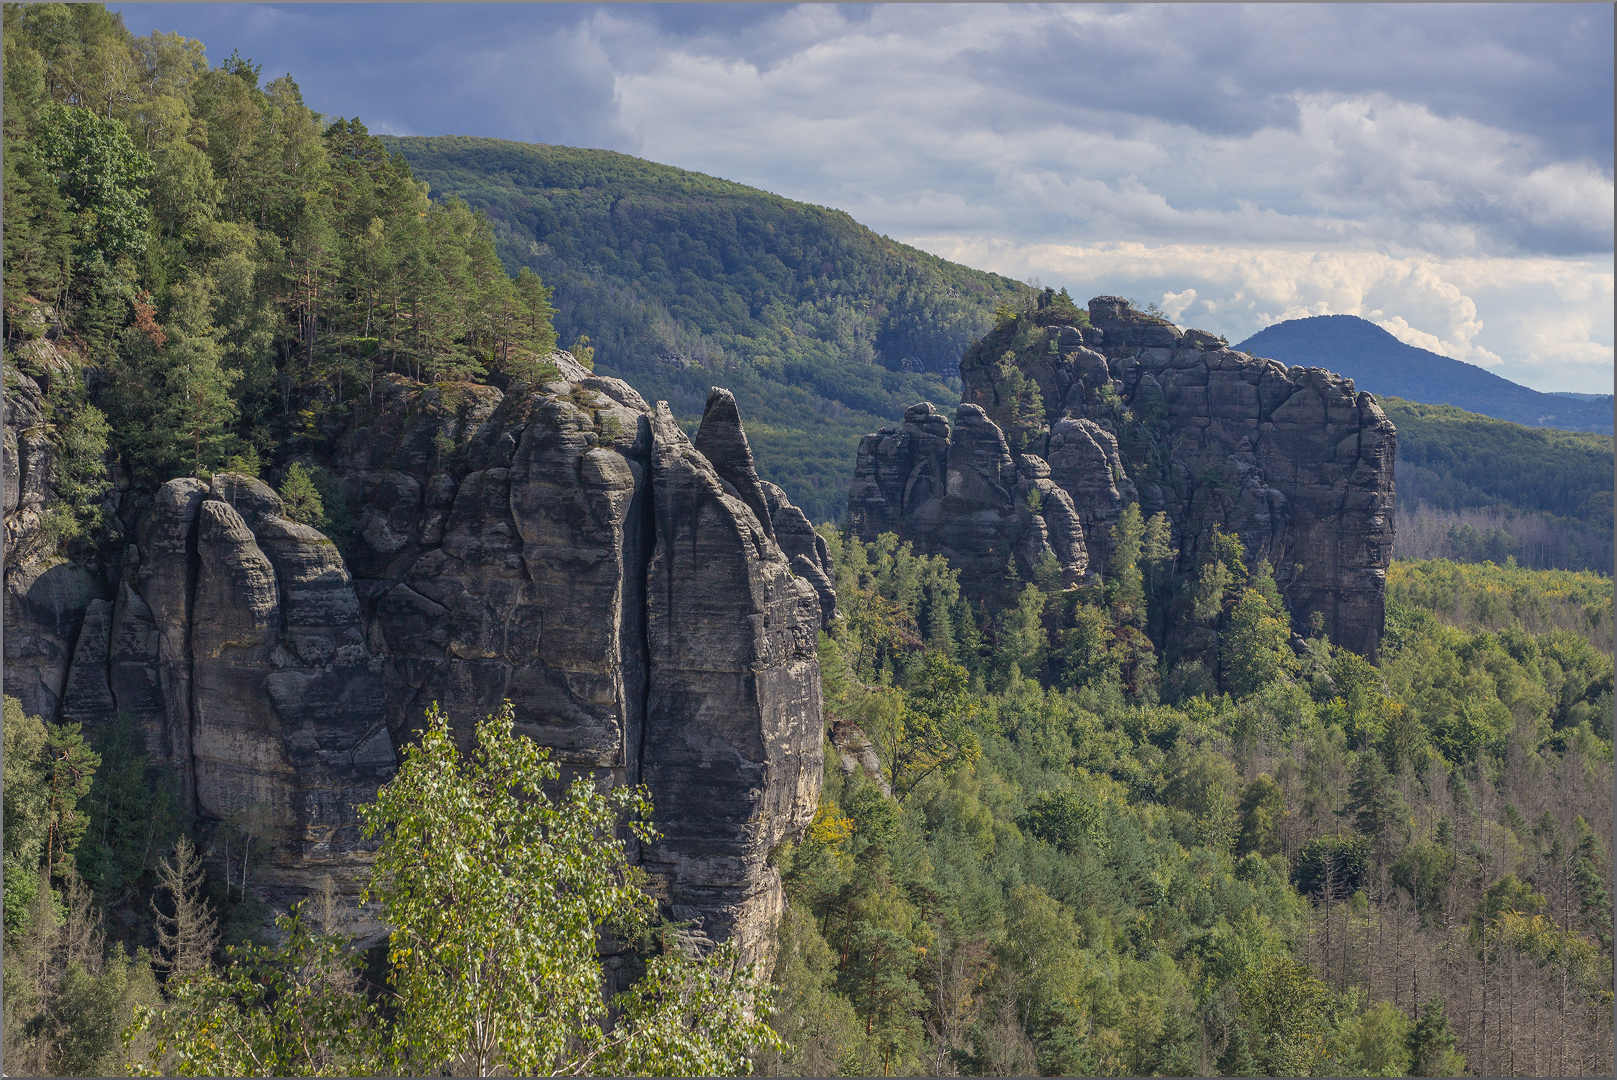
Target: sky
(1445, 171)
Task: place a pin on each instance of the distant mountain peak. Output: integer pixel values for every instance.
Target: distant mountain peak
(1379, 362)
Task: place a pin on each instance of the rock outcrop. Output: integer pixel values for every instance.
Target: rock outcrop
(236, 646)
(645, 601)
(956, 491)
(1293, 460)
(648, 604)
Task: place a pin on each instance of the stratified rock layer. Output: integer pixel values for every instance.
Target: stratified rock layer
(957, 492)
(573, 551)
(648, 605)
(1292, 460)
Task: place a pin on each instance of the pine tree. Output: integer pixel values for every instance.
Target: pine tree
(70, 767)
(169, 400)
(1236, 1060)
(1374, 802)
(1431, 1044)
(301, 498)
(186, 938)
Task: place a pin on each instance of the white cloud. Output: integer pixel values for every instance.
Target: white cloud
(1445, 171)
(1561, 339)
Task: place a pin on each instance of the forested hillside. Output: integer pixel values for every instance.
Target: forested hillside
(1387, 367)
(823, 329)
(1474, 488)
(1309, 866)
(1041, 846)
(237, 270)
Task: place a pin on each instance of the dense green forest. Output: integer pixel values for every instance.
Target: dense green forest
(823, 329)
(1039, 847)
(1314, 867)
(1474, 488)
(237, 270)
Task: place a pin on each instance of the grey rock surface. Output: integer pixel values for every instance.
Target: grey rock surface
(577, 554)
(1293, 460)
(649, 605)
(954, 490)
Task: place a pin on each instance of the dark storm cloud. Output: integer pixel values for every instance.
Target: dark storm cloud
(1542, 70)
(510, 71)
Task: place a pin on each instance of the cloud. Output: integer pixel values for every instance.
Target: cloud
(1245, 163)
(1560, 341)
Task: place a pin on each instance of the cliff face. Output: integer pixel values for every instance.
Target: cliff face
(1290, 459)
(568, 549)
(573, 551)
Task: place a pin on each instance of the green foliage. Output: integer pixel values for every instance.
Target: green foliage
(27, 812)
(933, 731)
(1016, 405)
(1502, 597)
(1255, 648)
(1460, 459)
(1508, 894)
(292, 1009)
(1100, 892)
(69, 768)
(496, 895)
(92, 1007)
(1431, 1044)
(823, 329)
(98, 171)
(1065, 819)
(79, 474)
(240, 268)
(134, 813)
(1263, 804)
(301, 498)
(1374, 1043)
(1332, 865)
(1287, 1012)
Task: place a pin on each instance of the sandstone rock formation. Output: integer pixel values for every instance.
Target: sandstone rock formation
(235, 644)
(1292, 460)
(647, 603)
(957, 492)
(623, 585)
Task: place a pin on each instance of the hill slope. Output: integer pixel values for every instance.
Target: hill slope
(826, 331)
(1385, 366)
(1472, 487)
(823, 329)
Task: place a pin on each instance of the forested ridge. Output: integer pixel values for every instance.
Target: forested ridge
(1474, 488)
(823, 329)
(1040, 847)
